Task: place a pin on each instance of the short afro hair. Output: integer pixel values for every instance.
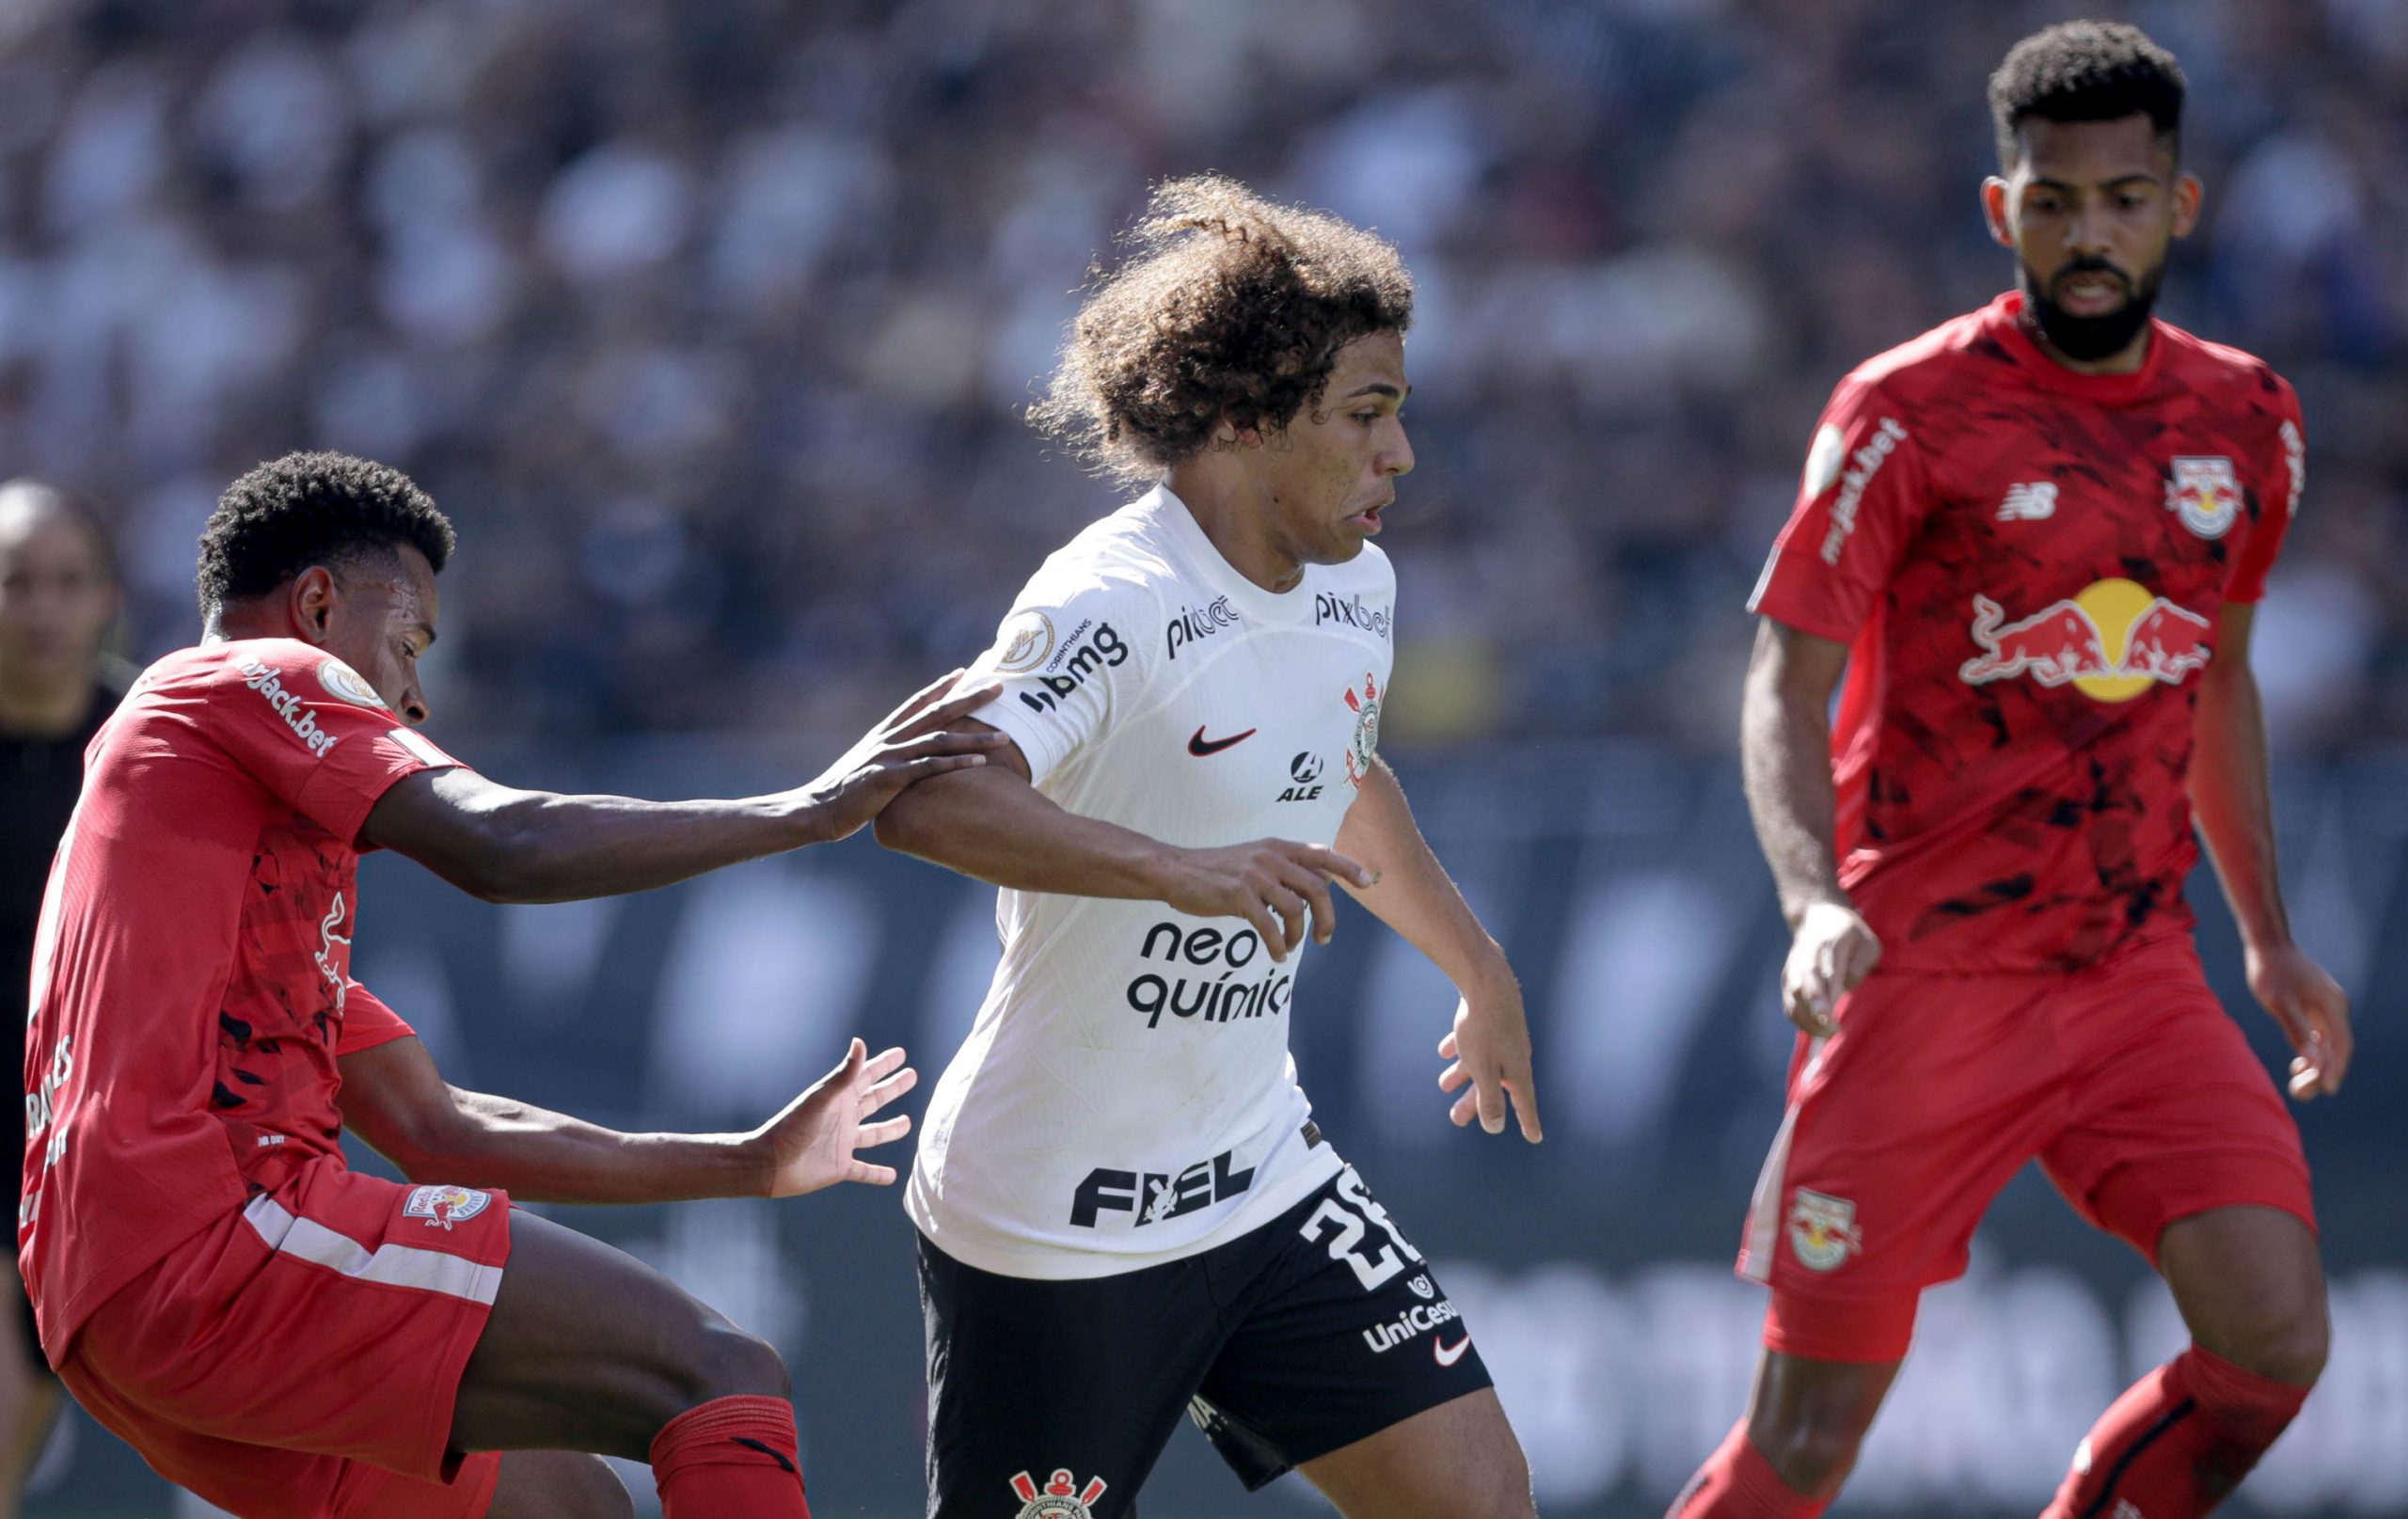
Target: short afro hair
(2085, 70)
(1231, 308)
(309, 509)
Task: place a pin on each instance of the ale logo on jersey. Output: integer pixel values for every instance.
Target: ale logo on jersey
(1062, 1498)
(2112, 640)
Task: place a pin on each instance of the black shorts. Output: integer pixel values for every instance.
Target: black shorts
(1307, 1334)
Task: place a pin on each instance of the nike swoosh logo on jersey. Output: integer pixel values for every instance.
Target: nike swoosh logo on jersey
(1446, 1355)
(1200, 746)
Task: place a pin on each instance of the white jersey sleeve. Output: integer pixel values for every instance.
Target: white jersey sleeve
(1073, 657)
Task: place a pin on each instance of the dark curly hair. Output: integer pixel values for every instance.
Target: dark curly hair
(309, 509)
(1231, 308)
(2085, 70)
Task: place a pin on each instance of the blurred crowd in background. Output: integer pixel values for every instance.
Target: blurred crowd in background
(712, 324)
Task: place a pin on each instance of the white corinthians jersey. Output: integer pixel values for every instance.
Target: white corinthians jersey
(1126, 1096)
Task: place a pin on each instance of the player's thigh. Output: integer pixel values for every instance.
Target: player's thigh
(2176, 1114)
(559, 1484)
(1057, 1391)
(1900, 1132)
(1343, 1334)
(1457, 1461)
(589, 1349)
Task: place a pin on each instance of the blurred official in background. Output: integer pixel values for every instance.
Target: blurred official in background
(59, 594)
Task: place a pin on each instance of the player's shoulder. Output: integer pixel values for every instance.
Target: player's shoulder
(1941, 359)
(287, 674)
(1116, 558)
(2220, 372)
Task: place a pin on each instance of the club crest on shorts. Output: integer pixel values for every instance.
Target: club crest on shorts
(2205, 491)
(1823, 1229)
(1061, 1498)
(442, 1207)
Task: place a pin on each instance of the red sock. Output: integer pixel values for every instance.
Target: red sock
(2178, 1442)
(731, 1456)
(1737, 1482)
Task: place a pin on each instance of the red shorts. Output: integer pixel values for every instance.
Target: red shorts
(299, 1360)
(2128, 1081)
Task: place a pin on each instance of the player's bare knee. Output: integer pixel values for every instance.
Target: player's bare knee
(2288, 1345)
(731, 1363)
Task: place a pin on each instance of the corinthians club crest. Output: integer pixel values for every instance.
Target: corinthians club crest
(1061, 1498)
(1365, 705)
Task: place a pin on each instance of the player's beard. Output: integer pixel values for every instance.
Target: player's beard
(2087, 340)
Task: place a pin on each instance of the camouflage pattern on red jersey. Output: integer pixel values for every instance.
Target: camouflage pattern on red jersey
(2029, 565)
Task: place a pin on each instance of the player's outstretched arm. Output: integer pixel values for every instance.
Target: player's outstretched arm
(1412, 892)
(395, 1100)
(2233, 802)
(505, 845)
(1785, 755)
(991, 825)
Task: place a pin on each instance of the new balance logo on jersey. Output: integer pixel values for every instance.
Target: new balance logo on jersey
(1353, 612)
(1105, 648)
(2029, 503)
(1152, 1197)
(1223, 987)
(268, 681)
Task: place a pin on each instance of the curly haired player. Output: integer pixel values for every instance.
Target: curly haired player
(1120, 1181)
(285, 1336)
(2034, 538)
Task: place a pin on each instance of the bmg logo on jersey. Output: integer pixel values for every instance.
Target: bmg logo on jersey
(1224, 986)
(1152, 1197)
(1105, 647)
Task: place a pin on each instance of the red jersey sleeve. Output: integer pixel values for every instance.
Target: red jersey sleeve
(1861, 498)
(2277, 477)
(367, 1022)
(307, 728)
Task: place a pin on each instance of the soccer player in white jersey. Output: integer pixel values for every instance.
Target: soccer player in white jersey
(1126, 1210)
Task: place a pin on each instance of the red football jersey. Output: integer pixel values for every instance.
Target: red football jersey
(192, 971)
(2028, 564)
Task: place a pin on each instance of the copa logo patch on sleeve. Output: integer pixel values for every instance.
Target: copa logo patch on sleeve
(345, 684)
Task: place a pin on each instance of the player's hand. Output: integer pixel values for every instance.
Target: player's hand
(811, 1145)
(2314, 1012)
(1278, 886)
(910, 744)
(1490, 1046)
(1831, 953)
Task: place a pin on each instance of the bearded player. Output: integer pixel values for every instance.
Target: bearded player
(2035, 539)
(1121, 1191)
(286, 1337)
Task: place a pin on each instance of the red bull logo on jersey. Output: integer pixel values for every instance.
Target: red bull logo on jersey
(2111, 642)
(1823, 1230)
(442, 1207)
(1062, 1498)
(2205, 491)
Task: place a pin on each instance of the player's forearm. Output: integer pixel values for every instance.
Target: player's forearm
(1785, 752)
(1411, 892)
(510, 846)
(539, 1156)
(992, 826)
(2233, 802)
